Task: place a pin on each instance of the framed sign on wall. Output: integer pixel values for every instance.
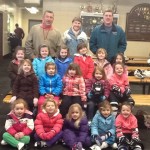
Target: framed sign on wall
(91, 20)
(138, 23)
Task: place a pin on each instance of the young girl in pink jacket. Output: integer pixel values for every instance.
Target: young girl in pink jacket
(127, 129)
(48, 125)
(73, 89)
(101, 61)
(119, 87)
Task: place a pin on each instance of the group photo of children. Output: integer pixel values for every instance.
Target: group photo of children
(64, 95)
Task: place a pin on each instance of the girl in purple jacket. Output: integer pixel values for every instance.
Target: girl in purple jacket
(76, 131)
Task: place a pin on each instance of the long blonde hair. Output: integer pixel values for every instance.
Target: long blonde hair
(69, 116)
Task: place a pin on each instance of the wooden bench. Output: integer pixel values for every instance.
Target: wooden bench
(133, 68)
(140, 99)
(137, 62)
(143, 82)
(136, 57)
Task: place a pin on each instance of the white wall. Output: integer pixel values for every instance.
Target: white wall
(66, 10)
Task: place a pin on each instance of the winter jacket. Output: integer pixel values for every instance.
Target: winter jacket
(113, 42)
(74, 86)
(71, 40)
(120, 81)
(50, 84)
(39, 65)
(46, 127)
(62, 66)
(13, 71)
(101, 125)
(81, 132)
(26, 87)
(105, 86)
(106, 66)
(23, 124)
(126, 125)
(86, 66)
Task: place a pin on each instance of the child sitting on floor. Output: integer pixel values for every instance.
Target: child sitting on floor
(103, 127)
(19, 125)
(48, 125)
(76, 131)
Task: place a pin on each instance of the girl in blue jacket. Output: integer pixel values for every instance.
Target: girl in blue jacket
(103, 127)
(50, 85)
(39, 62)
(63, 61)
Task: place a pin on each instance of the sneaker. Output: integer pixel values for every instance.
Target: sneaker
(3, 142)
(20, 145)
(95, 147)
(139, 74)
(77, 146)
(104, 145)
(40, 144)
(114, 146)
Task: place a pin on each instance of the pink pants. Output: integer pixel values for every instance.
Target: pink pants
(42, 100)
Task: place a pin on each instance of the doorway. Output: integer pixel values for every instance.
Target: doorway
(1, 35)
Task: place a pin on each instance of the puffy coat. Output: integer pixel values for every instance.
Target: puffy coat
(62, 66)
(46, 126)
(26, 87)
(24, 124)
(86, 66)
(81, 132)
(120, 81)
(50, 84)
(39, 65)
(101, 125)
(74, 86)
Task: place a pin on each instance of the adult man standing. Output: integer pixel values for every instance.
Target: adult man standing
(74, 36)
(19, 34)
(108, 36)
(43, 33)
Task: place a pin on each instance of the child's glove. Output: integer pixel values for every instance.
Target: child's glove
(21, 134)
(135, 141)
(127, 92)
(90, 95)
(102, 98)
(123, 140)
(13, 99)
(77, 146)
(84, 104)
(35, 101)
(97, 139)
(117, 91)
(105, 136)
